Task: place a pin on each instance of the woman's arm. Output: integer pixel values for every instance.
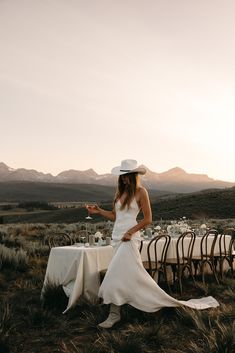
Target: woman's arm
(147, 212)
(95, 209)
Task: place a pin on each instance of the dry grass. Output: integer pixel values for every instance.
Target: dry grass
(30, 325)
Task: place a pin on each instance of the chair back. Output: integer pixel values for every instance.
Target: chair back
(184, 247)
(224, 247)
(232, 241)
(229, 231)
(59, 239)
(207, 245)
(232, 246)
(159, 241)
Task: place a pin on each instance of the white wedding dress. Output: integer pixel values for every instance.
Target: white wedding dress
(127, 282)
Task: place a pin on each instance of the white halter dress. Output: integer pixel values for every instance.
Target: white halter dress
(126, 280)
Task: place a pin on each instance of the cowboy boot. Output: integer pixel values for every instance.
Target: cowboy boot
(114, 316)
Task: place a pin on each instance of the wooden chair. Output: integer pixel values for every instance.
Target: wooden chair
(227, 253)
(207, 254)
(232, 252)
(183, 261)
(59, 239)
(156, 263)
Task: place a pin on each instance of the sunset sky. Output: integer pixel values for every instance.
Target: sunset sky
(88, 83)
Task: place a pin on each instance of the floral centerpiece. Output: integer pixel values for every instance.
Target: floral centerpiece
(98, 237)
(203, 229)
(178, 228)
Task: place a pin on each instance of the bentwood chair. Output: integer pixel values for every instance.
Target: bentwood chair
(232, 252)
(227, 252)
(156, 263)
(207, 254)
(59, 239)
(224, 252)
(183, 260)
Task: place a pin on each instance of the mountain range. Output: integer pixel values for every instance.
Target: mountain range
(173, 180)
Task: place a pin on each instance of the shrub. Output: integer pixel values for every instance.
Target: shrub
(15, 259)
(54, 298)
(5, 326)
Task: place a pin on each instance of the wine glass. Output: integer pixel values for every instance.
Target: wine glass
(88, 213)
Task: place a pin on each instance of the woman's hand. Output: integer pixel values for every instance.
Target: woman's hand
(126, 237)
(93, 209)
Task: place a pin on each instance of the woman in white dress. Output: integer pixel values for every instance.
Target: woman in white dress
(126, 281)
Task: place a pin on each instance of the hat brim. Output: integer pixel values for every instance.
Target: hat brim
(117, 171)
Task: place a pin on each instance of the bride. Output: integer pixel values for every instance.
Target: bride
(126, 281)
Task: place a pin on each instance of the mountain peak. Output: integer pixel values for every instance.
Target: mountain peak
(90, 172)
(4, 166)
(144, 166)
(4, 169)
(174, 171)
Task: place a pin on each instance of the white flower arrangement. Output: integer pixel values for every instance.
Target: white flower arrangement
(98, 235)
(175, 229)
(202, 230)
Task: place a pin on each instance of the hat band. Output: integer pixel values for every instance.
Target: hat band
(126, 170)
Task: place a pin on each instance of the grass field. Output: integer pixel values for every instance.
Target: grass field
(28, 325)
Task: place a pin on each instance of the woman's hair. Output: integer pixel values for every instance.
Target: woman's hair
(129, 188)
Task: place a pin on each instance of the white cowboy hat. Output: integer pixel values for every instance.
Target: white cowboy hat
(128, 166)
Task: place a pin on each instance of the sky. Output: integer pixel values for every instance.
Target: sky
(86, 84)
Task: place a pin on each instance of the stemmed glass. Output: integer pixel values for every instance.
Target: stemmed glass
(88, 213)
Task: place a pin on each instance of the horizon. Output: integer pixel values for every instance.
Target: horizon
(109, 172)
(92, 83)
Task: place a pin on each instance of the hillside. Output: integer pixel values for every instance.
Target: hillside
(206, 204)
(52, 192)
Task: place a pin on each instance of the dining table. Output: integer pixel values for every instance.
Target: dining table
(77, 267)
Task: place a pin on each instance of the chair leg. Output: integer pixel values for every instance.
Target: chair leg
(221, 267)
(231, 264)
(191, 274)
(195, 264)
(173, 267)
(179, 275)
(202, 272)
(213, 269)
(166, 279)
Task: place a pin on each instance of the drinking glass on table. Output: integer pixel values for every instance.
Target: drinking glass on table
(83, 239)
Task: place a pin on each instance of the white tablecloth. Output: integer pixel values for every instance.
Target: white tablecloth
(77, 267)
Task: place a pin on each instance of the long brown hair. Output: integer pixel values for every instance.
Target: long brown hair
(128, 188)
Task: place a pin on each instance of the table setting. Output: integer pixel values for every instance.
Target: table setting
(77, 267)
(93, 240)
